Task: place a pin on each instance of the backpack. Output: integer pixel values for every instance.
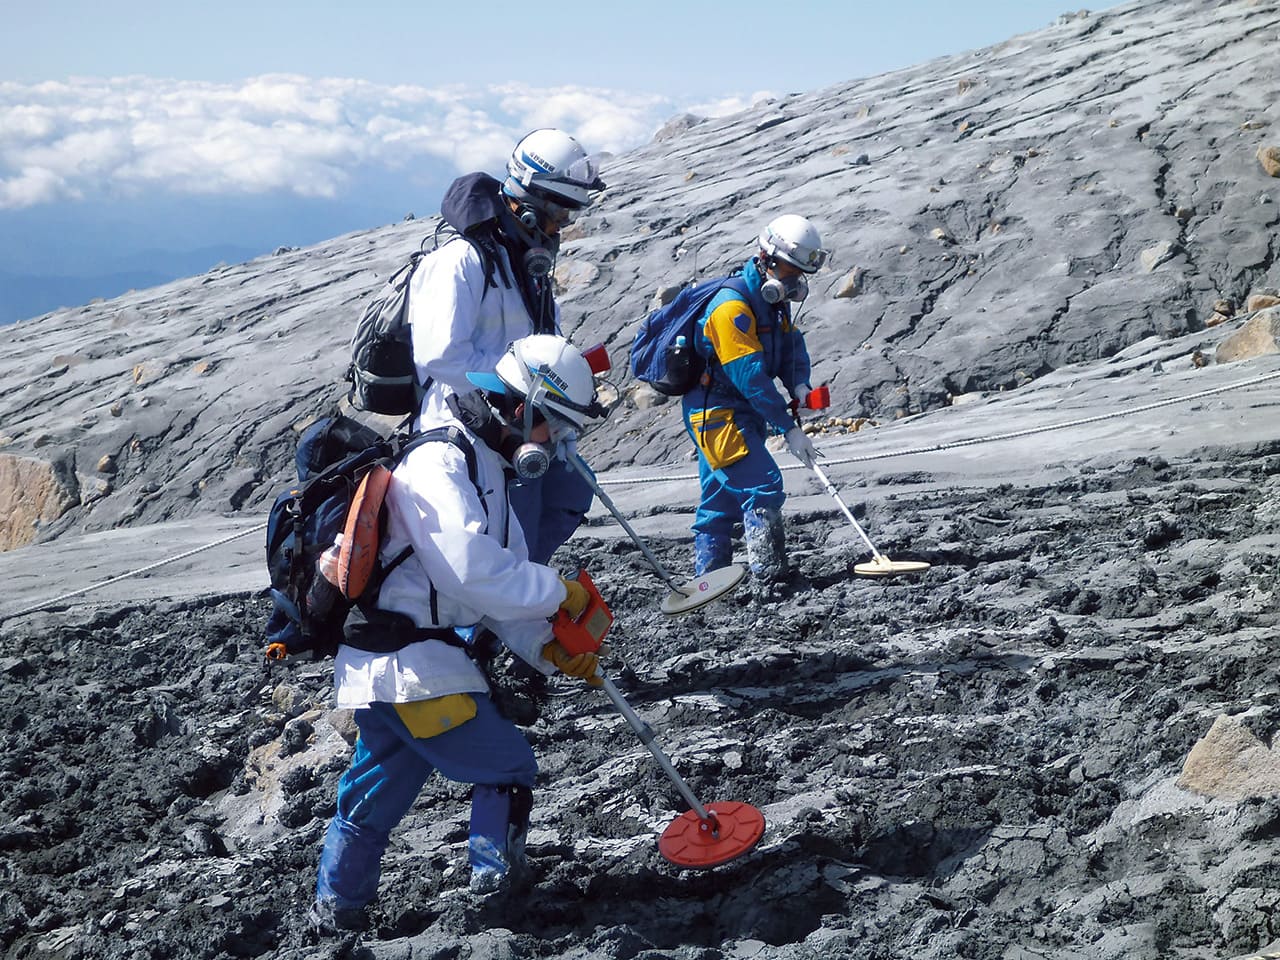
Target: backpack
(336, 457)
(382, 374)
(663, 354)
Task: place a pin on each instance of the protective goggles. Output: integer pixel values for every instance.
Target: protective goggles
(583, 173)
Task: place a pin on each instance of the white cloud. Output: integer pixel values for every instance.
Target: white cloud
(120, 136)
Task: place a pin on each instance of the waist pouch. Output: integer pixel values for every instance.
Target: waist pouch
(381, 631)
(717, 436)
(429, 718)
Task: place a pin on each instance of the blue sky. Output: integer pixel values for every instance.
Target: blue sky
(689, 49)
(141, 137)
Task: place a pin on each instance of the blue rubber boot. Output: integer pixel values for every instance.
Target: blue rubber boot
(499, 822)
(711, 551)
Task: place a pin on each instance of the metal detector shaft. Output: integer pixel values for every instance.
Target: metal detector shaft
(643, 730)
(847, 512)
(582, 468)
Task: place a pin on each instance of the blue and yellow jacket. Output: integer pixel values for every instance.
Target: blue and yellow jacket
(747, 344)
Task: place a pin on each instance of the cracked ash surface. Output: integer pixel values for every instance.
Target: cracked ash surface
(982, 761)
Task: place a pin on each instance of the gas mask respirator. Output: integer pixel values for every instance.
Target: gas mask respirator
(775, 289)
(540, 256)
(528, 458)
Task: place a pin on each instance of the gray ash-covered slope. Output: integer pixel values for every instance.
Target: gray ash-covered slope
(1056, 743)
(994, 215)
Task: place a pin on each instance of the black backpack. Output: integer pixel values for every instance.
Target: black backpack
(382, 375)
(333, 456)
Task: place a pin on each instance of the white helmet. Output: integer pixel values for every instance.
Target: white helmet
(550, 370)
(794, 239)
(550, 167)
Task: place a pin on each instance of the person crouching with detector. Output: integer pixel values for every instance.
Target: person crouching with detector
(424, 706)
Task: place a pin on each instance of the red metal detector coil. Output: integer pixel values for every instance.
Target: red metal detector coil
(703, 837)
(730, 830)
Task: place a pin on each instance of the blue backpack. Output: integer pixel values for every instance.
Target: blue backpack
(333, 456)
(663, 354)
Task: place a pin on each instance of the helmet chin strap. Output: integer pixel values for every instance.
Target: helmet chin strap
(532, 459)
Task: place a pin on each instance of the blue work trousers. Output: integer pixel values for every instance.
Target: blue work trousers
(388, 769)
(550, 508)
(751, 483)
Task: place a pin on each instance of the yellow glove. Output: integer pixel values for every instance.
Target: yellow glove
(583, 666)
(576, 598)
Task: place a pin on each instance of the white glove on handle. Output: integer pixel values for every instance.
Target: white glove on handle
(801, 446)
(802, 393)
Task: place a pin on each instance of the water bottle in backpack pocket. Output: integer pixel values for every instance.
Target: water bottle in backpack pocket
(663, 353)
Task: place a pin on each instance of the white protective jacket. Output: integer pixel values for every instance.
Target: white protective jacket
(457, 327)
(469, 565)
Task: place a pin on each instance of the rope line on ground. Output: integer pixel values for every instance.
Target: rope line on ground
(973, 441)
(132, 573)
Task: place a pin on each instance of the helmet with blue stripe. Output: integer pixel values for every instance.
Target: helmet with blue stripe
(551, 170)
(551, 374)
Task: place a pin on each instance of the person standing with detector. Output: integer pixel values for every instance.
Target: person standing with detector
(748, 338)
(490, 284)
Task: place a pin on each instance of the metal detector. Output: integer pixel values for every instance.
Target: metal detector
(683, 597)
(702, 837)
(879, 565)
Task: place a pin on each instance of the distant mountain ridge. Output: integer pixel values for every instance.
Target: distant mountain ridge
(995, 215)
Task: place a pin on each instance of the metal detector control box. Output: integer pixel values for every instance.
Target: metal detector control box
(585, 634)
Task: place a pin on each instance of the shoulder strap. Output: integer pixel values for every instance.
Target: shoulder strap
(404, 446)
(447, 435)
(439, 434)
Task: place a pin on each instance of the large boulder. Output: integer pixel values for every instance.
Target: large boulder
(1256, 338)
(1231, 763)
(32, 492)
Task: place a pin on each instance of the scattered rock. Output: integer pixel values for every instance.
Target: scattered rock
(1269, 157)
(850, 284)
(1152, 257)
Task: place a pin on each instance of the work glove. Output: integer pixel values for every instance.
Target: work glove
(584, 666)
(801, 394)
(576, 598)
(801, 446)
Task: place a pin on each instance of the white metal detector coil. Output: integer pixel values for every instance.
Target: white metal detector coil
(702, 590)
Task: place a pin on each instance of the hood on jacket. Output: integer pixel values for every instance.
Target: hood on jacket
(471, 200)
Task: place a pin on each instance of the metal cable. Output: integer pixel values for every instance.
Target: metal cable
(912, 451)
(132, 573)
(860, 459)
